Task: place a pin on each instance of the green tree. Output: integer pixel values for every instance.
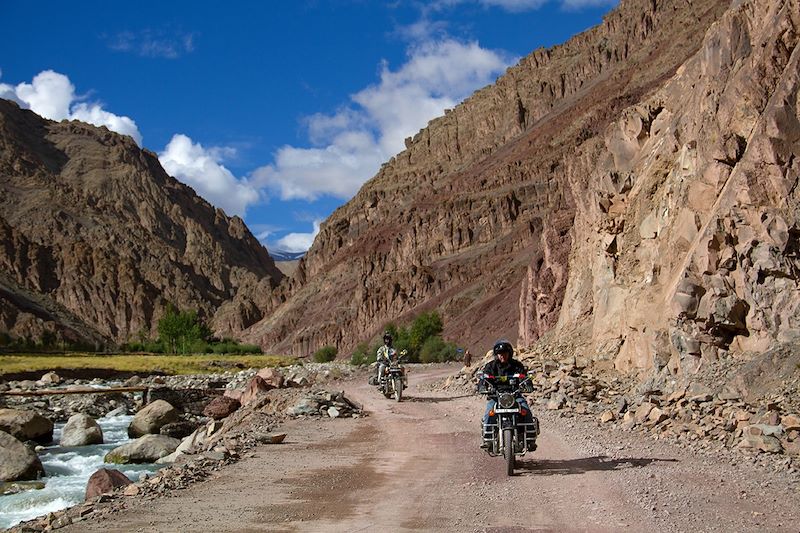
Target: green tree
(180, 329)
(425, 326)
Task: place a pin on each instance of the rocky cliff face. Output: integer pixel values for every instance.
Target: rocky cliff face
(96, 239)
(686, 235)
(476, 216)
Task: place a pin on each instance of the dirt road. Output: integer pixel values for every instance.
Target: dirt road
(416, 465)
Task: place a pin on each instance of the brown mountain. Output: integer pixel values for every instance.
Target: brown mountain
(633, 191)
(96, 239)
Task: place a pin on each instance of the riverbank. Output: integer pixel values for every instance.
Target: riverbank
(67, 472)
(68, 469)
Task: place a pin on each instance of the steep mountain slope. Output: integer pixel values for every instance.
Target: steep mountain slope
(475, 217)
(687, 234)
(95, 238)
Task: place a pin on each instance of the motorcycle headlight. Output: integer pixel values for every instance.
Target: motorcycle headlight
(506, 401)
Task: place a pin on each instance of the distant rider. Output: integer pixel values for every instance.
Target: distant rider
(504, 364)
(385, 355)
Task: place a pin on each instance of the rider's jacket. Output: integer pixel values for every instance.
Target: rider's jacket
(386, 353)
(496, 368)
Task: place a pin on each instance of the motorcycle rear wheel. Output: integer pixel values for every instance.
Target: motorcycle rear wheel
(508, 450)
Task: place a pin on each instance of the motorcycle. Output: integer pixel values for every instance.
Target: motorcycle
(509, 435)
(394, 380)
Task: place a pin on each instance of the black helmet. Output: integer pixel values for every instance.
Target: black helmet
(387, 338)
(503, 347)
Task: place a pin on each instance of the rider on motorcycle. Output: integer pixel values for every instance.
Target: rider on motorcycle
(385, 355)
(504, 364)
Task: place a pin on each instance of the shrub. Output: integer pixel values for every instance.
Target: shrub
(325, 354)
(360, 355)
(436, 350)
(233, 347)
(425, 326)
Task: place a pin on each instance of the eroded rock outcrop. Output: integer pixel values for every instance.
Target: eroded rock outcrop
(687, 236)
(96, 238)
(482, 201)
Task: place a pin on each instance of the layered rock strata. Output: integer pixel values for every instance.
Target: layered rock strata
(96, 239)
(687, 233)
(475, 217)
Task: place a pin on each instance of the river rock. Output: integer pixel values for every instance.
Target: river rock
(179, 429)
(17, 461)
(151, 418)
(221, 407)
(26, 425)
(81, 430)
(51, 378)
(147, 449)
(119, 411)
(104, 481)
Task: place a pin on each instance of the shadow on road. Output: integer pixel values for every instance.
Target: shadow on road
(428, 399)
(547, 467)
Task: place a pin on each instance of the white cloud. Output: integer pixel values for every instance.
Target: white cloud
(153, 43)
(94, 114)
(52, 95)
(263, 232)
(515, 6)
(298, 242)
(577, 5)
(201, 169)
(353, 142)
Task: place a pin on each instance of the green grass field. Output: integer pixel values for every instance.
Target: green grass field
(168, 364)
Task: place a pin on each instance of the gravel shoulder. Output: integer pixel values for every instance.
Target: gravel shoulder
(416, 465)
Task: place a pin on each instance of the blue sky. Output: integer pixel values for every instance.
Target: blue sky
(276, 111)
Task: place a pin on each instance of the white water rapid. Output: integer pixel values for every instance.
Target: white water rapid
(67, 470)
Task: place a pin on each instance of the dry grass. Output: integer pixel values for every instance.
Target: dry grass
(168, 364)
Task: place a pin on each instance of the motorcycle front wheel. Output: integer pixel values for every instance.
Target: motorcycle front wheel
(398, 389)
(508, 450)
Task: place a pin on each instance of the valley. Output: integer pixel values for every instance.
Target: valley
(415, 465)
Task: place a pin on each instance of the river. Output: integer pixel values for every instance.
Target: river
(67, 470)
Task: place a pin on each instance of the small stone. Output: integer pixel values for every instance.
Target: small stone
(607, 416)
(791, 422)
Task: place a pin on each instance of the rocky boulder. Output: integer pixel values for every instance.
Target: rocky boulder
(81, 430)
(17, 461)
(272, 376)
(26, 425)
(50, 378)
(221, 407)
(104, 481)
(255, 388)
(147, 449)
(151, 419)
